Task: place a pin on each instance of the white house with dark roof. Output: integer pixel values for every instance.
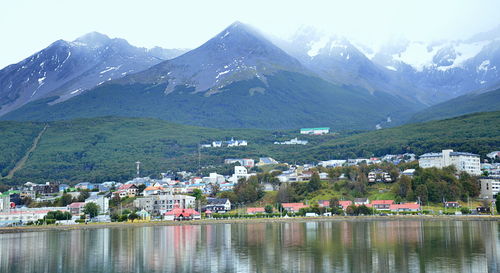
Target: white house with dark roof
(466, 162)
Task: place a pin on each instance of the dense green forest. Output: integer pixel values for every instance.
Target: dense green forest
(284, 102)
(466, 104)
(107, 148)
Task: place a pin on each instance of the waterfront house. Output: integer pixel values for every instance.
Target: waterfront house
(345, 204)
(451, 205)
(218, 205)
(293, 207)
(405, 207)
(324, 203)
(382, 204)
(144, 215)
(76, 208)
(255, 210)
(179, 214)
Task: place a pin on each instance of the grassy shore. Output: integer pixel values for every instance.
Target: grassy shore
(249, 220)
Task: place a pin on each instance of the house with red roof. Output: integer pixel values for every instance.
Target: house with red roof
(404, 207)
(255, 210)
(324, 203)
(127, 190)
(76, 208)
(382, 204)
(293, 207)
(345, 204)
(180, 214)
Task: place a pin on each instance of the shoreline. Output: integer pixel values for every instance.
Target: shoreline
(23, 229)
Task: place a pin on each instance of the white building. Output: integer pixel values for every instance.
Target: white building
(293, 141)
(159, 204)
(490, 186)
(247, 162)
(466, 162)
(4, 202)
(315, 131)
(214, 178)
(101, 201)
(332, 163)
(240, 172)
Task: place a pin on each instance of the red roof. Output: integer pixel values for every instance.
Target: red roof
(345, 204)
(127, 186)
(255, 210)
(410, 206)
(208, 211)
(296, 206)
(324, 203)
(76, 205)
(177, 212)
(382, 202)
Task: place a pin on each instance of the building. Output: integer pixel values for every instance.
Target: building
(255, 210)
(379, 176)
(101, 201)
(382, 204)
(332, 163)
(466, 162)
(76, 208)
(246, 162)
(240, 172)
(451, 205)
(26, 215)
(293, 207)
(406, 207)
(180, 214)
(490, 186)
(361, 201)
(214, 178)
(315, 131)
(4, 202)
(266, 161)
(127, 190)
(159, 204)
(218, 205)
(293, 141)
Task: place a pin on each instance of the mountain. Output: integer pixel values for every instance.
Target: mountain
(445, 69)
(106, 148)
(67, 69)
(469, 103)
(337, 60)
(237, 79)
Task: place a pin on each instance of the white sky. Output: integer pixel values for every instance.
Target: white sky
(27, 26)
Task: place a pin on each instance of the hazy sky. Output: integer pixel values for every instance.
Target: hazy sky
(27, 26)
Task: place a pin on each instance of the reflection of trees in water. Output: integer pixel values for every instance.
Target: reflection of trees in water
(357, 246)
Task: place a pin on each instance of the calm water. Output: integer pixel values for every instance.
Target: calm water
(350, 246)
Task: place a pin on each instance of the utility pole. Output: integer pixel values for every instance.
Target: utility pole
(138, 164)
(199, 157)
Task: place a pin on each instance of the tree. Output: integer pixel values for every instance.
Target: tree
(133, 216)
(229, 195)
(84, 194)
(141, 188)
(314, 183)
(214, 189)
(334, 202)
(286, 194)
(268, 209)
(65, 200)
(198, 194)
(249, 190)
(497, 203)
(421, 191)
(91, 209)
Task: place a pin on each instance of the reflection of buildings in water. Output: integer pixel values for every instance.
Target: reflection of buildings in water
(293, 234)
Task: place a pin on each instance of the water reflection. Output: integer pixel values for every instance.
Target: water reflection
(348, 246)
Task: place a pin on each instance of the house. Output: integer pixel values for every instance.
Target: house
(405, 207)
(217, 144)
(26, 215)
(382, 204)
(451, 205)
(76, 208)
(144, 215)
(85, 186)
(315, 131)
(293, 141)
(159, 204)
(490, 186)
(345, 204)
(130, 190)
(408, 172)
(179, 214)
(152, 190)
(4, 202)
(246, 162)
(324, 203)
(255, 210)
(226, 186)
(63, 187)
(218, 205)
(101, 201)
(465, 162)
(293, 207)
(332, 163)
(266, 161)
(213, 178)
(361, 201)
(240, 172)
